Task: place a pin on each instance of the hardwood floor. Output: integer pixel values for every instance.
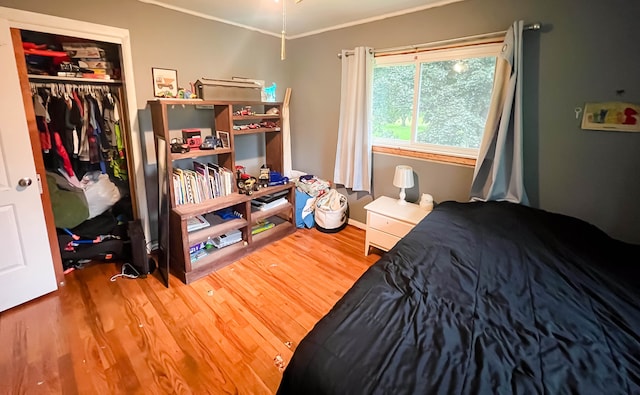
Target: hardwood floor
(218, 335)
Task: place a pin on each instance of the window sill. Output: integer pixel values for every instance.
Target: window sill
(457, 160)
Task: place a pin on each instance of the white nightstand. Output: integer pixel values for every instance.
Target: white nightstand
(388, 222)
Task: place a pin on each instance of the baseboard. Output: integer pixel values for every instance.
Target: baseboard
(357, 224)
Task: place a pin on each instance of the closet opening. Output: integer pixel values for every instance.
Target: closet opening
(83, 145)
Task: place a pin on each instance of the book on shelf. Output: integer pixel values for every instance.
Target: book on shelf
(232, 237)
(228, 181)
(192, 187)
(203, 182)
(181, 186)
(213, 180)
(222, 179)
(196, 223)
(198, 254)
(271, 197)
(177, 188)
(203, 179)
(270, 205)
(261, 227)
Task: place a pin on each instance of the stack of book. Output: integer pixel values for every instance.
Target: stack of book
(91, 60)
(267, 202)
(196, 223)
(205, 181)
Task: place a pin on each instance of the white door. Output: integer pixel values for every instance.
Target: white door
(26, 266)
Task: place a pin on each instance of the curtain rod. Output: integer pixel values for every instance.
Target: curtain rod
(532, 26)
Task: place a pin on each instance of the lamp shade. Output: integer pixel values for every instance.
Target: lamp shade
(403, 177)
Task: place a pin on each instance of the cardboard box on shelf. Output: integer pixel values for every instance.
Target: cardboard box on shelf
(221, 89)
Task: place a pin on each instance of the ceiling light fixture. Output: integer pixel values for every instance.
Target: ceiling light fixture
(283, 54)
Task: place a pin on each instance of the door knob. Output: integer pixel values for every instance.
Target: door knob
(24, 182)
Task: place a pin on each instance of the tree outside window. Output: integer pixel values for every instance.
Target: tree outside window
(436, 101)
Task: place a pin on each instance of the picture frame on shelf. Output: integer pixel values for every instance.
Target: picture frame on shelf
(165, 82)
(224, 138)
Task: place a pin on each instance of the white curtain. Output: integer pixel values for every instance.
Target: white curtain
(498, 174)
(353, 153)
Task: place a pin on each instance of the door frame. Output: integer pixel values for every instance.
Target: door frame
(26, 20)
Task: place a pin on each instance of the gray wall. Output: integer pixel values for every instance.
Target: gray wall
(194, 46)
(164, 38)
(586, 52)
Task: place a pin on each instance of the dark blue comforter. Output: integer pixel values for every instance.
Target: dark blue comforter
(488, 298)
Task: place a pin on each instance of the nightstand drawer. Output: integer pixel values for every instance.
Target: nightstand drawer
(388, 225)
(382, 240)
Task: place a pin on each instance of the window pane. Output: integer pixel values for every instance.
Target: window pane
(454, 101)
(393, 101)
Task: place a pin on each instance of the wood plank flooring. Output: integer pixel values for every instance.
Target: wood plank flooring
(218, 335)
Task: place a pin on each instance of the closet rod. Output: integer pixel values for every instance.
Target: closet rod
(532, 26)
(43, 84)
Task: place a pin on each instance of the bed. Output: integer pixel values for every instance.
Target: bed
(487, 298)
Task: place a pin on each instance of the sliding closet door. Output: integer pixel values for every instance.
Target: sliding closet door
(26, 268)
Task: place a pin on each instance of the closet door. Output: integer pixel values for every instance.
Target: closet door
(26, 267)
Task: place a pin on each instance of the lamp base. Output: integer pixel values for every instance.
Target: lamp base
(402, 196)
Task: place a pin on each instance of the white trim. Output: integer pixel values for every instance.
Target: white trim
(357, 224)
(209, 17)
(437, 55)
(301, 35)
(51, 24)
(375, 18)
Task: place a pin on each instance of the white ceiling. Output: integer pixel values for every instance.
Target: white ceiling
(303, 19)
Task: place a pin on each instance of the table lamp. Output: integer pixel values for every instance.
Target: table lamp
(403, 179)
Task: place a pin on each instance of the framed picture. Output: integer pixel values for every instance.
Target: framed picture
(165, 82)
(224, 138)
(613, 116)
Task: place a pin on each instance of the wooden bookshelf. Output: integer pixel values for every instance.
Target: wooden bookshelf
(177, 240)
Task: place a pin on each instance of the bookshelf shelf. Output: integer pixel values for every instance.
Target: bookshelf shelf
(212, 231)
(254, 131)
(197, 153)
(255, 117)
(179, 200)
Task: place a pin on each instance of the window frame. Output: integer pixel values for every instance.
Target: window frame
(450, 154)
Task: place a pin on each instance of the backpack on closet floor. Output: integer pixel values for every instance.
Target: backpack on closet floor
(102, 238)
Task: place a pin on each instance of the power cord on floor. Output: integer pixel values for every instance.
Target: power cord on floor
(124, 273)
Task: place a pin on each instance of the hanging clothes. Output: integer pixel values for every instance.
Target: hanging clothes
(72, 123)
(80, 128)
(42, 120)
(111, 115)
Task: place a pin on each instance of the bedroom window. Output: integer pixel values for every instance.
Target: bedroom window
(433, 102)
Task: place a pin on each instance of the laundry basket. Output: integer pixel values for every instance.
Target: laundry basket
(331, 212)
